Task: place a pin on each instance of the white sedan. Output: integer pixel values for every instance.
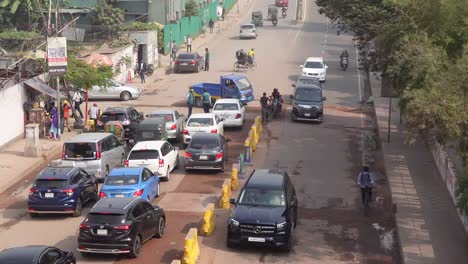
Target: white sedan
(208, 123)
(231, 110)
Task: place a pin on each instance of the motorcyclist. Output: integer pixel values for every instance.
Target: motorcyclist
(241, 56)
(276, 98)
(344, 56)
(274, 18)
(283, 10)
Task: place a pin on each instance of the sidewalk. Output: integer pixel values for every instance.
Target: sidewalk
(428, 226)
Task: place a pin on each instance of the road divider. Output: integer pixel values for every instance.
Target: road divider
(225, 195)
(252, 140)
(234, 177)
(208, 220)
(248, 151)
(191, 250)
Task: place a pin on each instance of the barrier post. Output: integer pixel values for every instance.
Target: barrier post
(191, 250)
(208, 220)
(248, 153)
(239, 166)
(225, 195)
(234, 179)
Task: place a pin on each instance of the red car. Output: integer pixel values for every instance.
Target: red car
(281, 3)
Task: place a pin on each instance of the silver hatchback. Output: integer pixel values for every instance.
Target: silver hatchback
(97, 153)
(248, 31)
(114, 90)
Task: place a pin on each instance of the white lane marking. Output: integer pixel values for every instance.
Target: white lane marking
(304, 18)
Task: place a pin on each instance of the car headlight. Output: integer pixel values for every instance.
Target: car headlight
(233, 222)
(281, 225)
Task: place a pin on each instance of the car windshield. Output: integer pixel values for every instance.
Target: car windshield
(308, 94)
(80, 150)
(51, 183)
(105, 218)
(204, 143)
(243, 84)
(200, 122)
(186, 57)
(226, 106)
(143, 154)
(247, 27)
(313, 64)
(261, 197)
(106, 117)
(122, 180)
(167, 117)
(307, 81)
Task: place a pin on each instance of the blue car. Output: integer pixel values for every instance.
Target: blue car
(131, 182)
(62, 190)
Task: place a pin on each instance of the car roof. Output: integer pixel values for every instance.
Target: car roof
(117, 109)
(205, 135)
(162, 111)
(247, 24)
(25, 254)
(88, 137)
(56, 173)
(266, 178)
(314, 59)
(125, 171)
(154, 144)
(114, 205)
(186, 53)
(203, 115)
(227, 100)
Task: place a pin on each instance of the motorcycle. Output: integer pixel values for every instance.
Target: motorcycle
(284, 13)
(275, 108)
(344, 63)
(149, 70)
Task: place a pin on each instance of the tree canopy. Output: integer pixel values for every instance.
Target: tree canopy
(83, 75)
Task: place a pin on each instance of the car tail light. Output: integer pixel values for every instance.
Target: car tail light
(63, 151)
(69, 192)
(219, 155)
(138, 193)
(98, 153)
(84, 226)
(123, 227)
(102, 194)
(173, 127)
(188, 154)
(161, 162)
(82, 248)
(33, 190)
(214, 131)
(192, 62)
(185, 132)
(238, 115)
(126, 163)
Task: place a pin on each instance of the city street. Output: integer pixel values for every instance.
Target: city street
(323, 160)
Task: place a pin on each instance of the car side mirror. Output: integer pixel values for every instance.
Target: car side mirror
(293, 85)
(228, 140)
(291, 97)
(324, 98)
(232, 201)
(326, 66)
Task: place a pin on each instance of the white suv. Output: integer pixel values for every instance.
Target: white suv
(315, 67)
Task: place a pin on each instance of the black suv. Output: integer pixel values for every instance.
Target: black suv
(120, 226)
(266, 211)
(307, 102)
(129, 116)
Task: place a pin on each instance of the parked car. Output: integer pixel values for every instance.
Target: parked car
(160, 157)
(209, 123)
(265, 212)
(36, 255)
(231, 110)
(307, 103)
(114, 90)
(174, 122)
(129, 117)
(207, 151)
(131, 182)
(61, 190)
(189, 62)
(248, 31)
(149, 130)
(314, 66)
(120, 226)
(97, 153)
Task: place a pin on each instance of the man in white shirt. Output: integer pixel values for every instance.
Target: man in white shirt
(94, 114)
(78, 99)
(189, 43)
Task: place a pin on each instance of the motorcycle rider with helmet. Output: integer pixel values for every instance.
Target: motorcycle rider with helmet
(344, 56)
(276, 98)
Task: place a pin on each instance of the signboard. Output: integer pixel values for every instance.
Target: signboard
(57, 55)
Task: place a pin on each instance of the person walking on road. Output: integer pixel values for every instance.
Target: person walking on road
(94, 114)
(174, 50)
(190, 100)
(78, 100)
(211, 25)
(189, 43)
(206, 100)
(264, 103)
(142, 71)
(54, 122)
(207, 60)
(64, 116)
(365, 182)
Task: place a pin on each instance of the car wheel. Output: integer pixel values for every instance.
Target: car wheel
(177, 165)
(222, 166)
(136, 248)
(198, 102)
(197, 68)
(161, 228)
(78, 208)
(125, 96)
(229, 244)
(33, 215)
(287, 247)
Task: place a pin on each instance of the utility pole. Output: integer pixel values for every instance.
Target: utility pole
(58, 77)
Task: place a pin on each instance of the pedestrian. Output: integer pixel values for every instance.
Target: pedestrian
(77, 101)
(94, 113)
(142, 71)
(211, 25)
(189, 43)
(190, 100)
(206, 100)
(264, 103)
(64, 116)
(54, 128)
(174, 50)
(207, 60)
(224, 13)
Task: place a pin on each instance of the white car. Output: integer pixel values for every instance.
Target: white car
(248, 31)
(209, 123)
(159, 156)
(231, 110)
(315, 67)
(113, 90)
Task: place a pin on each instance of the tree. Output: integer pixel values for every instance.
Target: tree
(191, 8)
(14, 12)
(106, 15)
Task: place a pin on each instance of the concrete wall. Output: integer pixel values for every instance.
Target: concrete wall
(149, 40)
(11, 107)
(126, 71)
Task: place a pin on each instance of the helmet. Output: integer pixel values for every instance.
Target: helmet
(275, 90)
(365, 168)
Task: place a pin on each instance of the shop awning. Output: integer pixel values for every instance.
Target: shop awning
(41, 86)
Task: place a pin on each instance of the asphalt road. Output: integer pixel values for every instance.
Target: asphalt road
(322, 159)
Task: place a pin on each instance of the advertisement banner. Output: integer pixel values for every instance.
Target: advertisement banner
(57, 55)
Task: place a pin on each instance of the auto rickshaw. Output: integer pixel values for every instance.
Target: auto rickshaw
(151, 129)
(273, 14)
(257, 18)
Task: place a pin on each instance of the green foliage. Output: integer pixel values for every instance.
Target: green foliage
(19, 35)
(20, 13)
(105, 14)
(140, 26)
(83, 75)
(122, 40)
(191, 8)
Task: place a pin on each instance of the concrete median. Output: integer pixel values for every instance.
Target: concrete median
(208, 220)
(191, 250)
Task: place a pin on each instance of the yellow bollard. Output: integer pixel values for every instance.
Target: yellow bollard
(191, 250)
(234, 177)
(208, 220)
(225, 195)
(253, 144)
(258, 121)
(255, 133)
